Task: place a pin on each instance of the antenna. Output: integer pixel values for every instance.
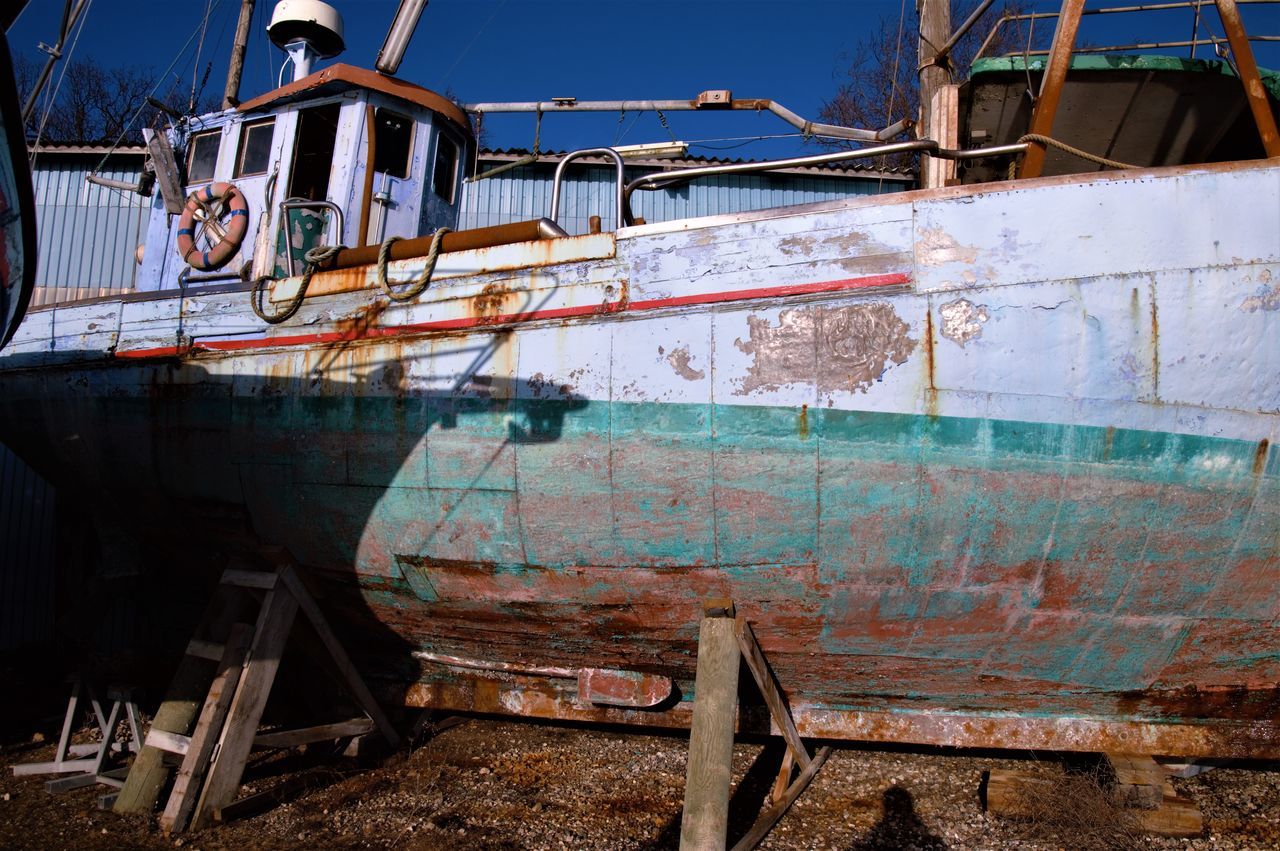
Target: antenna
(307, 30)
(397, 40)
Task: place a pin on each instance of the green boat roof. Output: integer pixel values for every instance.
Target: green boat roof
(1102, 62)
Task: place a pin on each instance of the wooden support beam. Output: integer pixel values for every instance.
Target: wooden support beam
(705, 820)
(177, 714)
(1140, 781)
(769, 688)
(1055, 75)
(783, 781)
(355, 683)
(258, 802)
(778, 809)
(263, 579)
(1254, 91)
(195, 761)
(321, 733)
(270, 635)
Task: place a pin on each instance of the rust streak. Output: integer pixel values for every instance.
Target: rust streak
(1260, 456)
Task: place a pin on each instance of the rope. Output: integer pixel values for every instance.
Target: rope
(315, 258)
(1084, 155)
(416, 285)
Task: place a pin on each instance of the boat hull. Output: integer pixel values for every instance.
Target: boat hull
(975, 478)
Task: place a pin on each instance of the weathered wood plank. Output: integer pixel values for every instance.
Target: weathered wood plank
(355, 683)
(174, 743)
(769, 688)
(1140, 781)
(319, 733)
(195, 762)
(705, 820)
(270, 635)
(776, 810)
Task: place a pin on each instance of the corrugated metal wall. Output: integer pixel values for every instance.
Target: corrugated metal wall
(525, 193)
(26, 554)
(87, 233)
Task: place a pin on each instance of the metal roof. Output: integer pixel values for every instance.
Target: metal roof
(499, 155)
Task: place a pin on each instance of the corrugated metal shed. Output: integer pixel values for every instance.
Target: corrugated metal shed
(524, 193)
(87, 233)
(26, 554)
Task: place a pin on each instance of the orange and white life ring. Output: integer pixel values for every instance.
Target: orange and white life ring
(214, 200)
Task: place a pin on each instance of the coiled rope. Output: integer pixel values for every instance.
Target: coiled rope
(322, 254)
(315, 258)
(422, 281)
(1063, 146)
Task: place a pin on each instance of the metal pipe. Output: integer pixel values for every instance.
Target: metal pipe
(70, 15)
(1144, 7)
(945, 50)
(588, 152)
(1156, 45)
(1247, 70)
(662, 180)
(806, 126)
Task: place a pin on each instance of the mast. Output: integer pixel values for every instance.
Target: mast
(935, 30)
(231, 97)
(939, 103)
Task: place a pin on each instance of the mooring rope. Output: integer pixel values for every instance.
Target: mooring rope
(421, 282)
(315, 257)
(1084, 155)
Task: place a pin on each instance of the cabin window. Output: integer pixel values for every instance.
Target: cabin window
(202, 156)
(393, 141)
(446, 169)
(255, 148)
(313, 152)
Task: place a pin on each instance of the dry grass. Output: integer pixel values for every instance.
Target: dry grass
(1077, 808)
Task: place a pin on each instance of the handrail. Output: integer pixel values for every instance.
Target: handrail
(302, 204)
(1142, 7)
(664, 179)
(713, 100)
(588, 152)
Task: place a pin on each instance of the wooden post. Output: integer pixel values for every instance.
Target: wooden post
(270, 635)
(1055, 74)
(935, 30)
(231, 97)
(705, 821)
(195, 761)
(1254, 91)
(944, 118)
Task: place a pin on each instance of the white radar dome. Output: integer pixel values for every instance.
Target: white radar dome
(316, 23)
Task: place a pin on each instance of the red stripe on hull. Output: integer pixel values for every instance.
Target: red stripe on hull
(464, 323)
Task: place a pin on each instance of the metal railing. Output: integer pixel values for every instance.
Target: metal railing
(302, 204)
(588, 152)
(667, 179)
(1195, 5)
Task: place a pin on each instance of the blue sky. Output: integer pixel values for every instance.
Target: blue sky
(788, 50)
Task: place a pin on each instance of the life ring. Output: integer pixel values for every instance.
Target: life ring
(215, 200)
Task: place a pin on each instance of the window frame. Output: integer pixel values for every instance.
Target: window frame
(458, 149)
(413, 130)
(191, 155)
(245, 129)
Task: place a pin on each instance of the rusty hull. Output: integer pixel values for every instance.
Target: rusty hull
(977, 475)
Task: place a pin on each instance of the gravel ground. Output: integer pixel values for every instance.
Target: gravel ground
(496, 785)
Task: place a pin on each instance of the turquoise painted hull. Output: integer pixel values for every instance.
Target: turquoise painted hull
(971, 485)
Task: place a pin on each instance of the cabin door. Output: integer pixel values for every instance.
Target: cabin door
(392, 189)
(309, 175)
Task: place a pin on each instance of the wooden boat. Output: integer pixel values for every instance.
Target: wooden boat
(984, 464)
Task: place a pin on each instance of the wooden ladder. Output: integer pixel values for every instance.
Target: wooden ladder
(215, 744)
